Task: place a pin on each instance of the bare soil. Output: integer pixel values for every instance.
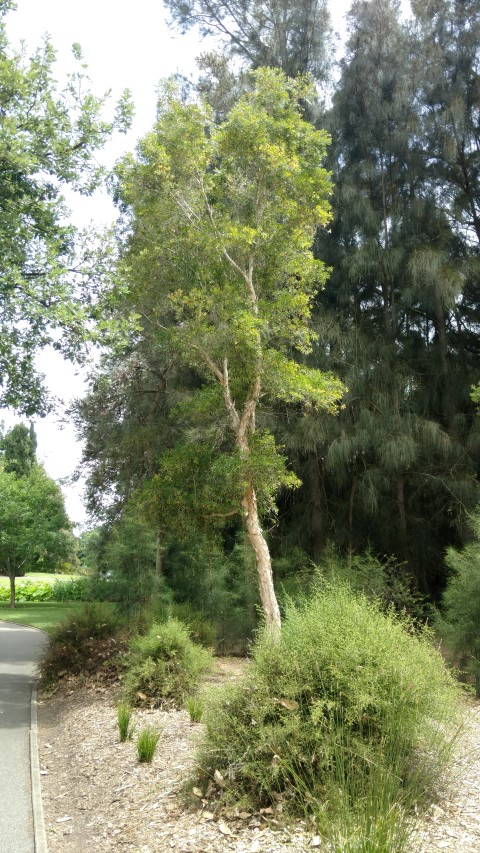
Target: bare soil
(97, 797)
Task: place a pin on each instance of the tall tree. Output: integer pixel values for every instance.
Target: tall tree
(227, 216)
(288, 34)
(18, 450)
(48, 139)
(396, 277)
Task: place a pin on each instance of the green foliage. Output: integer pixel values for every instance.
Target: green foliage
(28, 591)
(89, 640)
(124, 555)
(68, 589)
(18, 450)
(50, 139)
(34, 527)
(195, 709)
(460, 624)
(292, 34)
(124, 721)
(214, 590)
(349, 714)
(164, 665)
(72, 589)
(385, 581)
(147, 743)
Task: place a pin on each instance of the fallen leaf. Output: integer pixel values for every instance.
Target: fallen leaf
(207, 815)
(142, 696)
(219, 779)
(63, 819)
(224, 829)
(197, 793)
(289, 704)
(244, 815)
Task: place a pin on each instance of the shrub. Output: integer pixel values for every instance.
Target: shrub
(70, 589)
(347, 714)
(28, 590)
(164, 665)
(147, 744)
(385, 581)
(460, 625)
(84, 642)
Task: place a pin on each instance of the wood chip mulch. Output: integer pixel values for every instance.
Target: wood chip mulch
(97, 797)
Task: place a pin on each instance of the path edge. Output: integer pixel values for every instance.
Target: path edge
(40, 837)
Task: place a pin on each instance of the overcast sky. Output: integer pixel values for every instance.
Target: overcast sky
(126, 45)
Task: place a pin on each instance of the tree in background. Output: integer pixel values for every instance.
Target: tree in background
(18, 450)
(288, 34)
(35, 532)
(49, 139)
(228, 214)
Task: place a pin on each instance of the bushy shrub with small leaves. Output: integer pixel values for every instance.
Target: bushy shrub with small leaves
(349, 712)
(164, 665)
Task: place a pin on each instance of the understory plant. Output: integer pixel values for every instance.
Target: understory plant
(348, 715)
(85, 642)
(460, 621)
(146, 744)
(124, 721)
(164, 665)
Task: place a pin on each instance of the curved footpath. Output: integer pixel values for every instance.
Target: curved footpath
(21, 817)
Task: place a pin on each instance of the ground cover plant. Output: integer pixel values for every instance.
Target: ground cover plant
(124, 721)
(348, 715)
(47, 587)
(164, 665)
(147, 743)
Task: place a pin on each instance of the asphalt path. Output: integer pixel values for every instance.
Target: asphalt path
(20, 649)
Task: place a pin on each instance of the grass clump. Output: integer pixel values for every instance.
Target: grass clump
(348, 715)
(147, 743)
(164, 665)
(83, 643)
(195, 708)
(124, 721)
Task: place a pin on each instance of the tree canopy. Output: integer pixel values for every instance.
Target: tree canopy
(48, 139)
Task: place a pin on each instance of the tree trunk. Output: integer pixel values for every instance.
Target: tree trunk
(263, 560)
(158, 561)
(402, 519)
(12, 588)
(317, 516)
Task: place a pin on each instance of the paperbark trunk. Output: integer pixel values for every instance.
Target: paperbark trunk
(263, 561)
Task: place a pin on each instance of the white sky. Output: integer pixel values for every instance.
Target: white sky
(126, 45)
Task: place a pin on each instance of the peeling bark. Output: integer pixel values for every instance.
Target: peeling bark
(263, 561)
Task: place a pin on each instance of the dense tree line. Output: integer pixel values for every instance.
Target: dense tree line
(396, 321)
(185, 442)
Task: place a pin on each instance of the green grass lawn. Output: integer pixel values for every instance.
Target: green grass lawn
(39, 614)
